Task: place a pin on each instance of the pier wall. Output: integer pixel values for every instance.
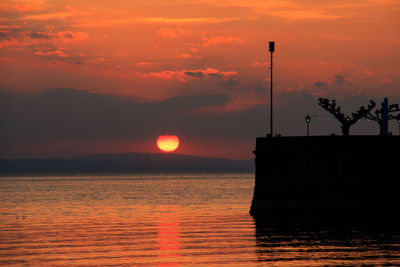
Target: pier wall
(323, 172)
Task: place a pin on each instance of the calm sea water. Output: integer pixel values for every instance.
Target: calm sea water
(163, 220)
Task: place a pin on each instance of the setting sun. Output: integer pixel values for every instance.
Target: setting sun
(167, 143)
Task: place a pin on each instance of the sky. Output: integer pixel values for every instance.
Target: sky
(90, 77)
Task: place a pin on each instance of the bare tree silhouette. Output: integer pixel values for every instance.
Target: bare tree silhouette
(346, 121)
(378, 115)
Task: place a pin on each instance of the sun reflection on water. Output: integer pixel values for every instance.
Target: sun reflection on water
(168, 236)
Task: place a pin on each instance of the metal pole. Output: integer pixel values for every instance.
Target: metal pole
(271, 113)
(399, 127)
(308, 119)
(271, 46)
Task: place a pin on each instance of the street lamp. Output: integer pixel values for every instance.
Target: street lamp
(398, 120)
(271, 49)
(308, 119)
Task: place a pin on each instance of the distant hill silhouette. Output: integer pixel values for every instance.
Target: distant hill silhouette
(128, 162)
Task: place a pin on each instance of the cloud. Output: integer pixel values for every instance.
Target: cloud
(63, 115)
(368, 72)
(172, 33)
(78, 114)
(339, 79)
(339, 37)
(7, 27)
(64, 36)
(216, 40)
(17, 37)
(320, 84)
(187, 56)
(49, 16)
(195, 74)
(185, 75)
(303, 15)
(336, 79)
(39, 35)
(4, 35)
(134, 20)
(19, 8)
(57, 53)
(51, 119)
(385, 81)
(256, 64)
(180, 19)
(144, 63)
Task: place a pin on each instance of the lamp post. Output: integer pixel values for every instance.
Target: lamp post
(271, 50)
(308, 119)
(398, 120)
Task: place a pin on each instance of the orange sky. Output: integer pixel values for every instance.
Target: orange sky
(155, 50)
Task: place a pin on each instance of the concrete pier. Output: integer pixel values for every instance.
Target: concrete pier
(326, 174)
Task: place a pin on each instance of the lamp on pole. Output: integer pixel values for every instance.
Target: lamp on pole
(271, 50)
(398, 120)
(308, 119)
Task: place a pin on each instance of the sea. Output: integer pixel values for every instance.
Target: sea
(165, 219)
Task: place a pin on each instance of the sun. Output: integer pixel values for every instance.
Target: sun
(168, 143)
